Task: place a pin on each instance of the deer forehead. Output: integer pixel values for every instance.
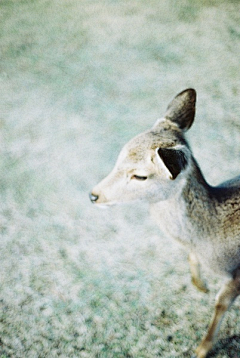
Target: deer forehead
(143, 146)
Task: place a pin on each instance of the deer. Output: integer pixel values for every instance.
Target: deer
(158, 167)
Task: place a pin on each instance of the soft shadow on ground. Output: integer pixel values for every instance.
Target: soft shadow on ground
(229, 346)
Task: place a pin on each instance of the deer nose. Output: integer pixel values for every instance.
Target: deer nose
(93, 197)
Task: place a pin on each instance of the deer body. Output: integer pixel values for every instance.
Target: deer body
(157, 166)
(199, 224)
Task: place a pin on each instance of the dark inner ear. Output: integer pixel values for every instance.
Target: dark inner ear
(175, 160)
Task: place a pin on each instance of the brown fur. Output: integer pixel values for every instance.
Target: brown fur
(158, 166)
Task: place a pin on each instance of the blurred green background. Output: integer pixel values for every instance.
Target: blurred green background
(78, 80)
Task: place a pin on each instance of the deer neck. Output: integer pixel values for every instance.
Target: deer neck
(188, 216)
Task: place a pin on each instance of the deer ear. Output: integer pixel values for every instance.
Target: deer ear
(174, 159)
(182, 109)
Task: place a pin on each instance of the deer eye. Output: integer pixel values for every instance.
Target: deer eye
(138, 177)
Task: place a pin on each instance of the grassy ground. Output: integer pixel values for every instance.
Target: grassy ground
(78, 79)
